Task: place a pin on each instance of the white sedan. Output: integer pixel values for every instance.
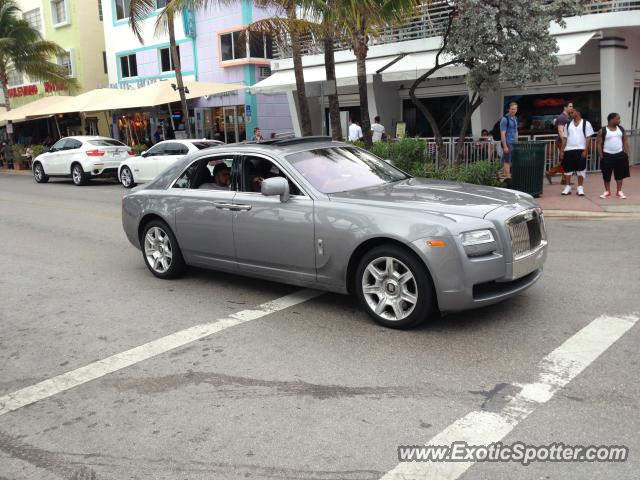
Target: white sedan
(153, 161)
(81, 158)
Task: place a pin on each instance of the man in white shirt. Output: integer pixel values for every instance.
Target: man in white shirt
(575, 150)
(613, 150)
(355, 132)
(377, 130)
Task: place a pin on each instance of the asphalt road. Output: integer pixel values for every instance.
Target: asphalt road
(312, 391)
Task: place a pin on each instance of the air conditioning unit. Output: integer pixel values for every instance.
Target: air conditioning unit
(264, 72)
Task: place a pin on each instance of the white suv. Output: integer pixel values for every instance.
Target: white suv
(81, 158)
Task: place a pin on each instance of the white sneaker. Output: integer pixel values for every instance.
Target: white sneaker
(621, 195)
(567, 190)
(581, 191)
(606, 194)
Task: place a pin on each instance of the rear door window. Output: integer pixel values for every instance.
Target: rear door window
(72, 144)
(106, 142)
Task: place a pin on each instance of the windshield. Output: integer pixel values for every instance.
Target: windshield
(340, 169)
(106, 142)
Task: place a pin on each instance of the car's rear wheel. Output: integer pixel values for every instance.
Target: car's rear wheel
(38, 173)
(160, 250)
(394, 287)
(126, 178)
(78, 175)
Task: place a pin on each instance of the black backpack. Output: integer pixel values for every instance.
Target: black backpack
(495, 131)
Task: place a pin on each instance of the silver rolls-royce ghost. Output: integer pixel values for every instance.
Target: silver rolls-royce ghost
(330, 216)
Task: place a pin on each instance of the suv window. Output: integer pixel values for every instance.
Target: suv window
(59, 145)
(255, 169)
(72, 144)
(105, 142)
(156, 150)
(175, 149)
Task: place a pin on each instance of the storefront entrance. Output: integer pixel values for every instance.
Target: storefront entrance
(226, 124)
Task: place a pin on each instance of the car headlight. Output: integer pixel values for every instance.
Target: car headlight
(477, 237)
(478, 242)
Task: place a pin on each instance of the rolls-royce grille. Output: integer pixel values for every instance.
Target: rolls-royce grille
(527, 232)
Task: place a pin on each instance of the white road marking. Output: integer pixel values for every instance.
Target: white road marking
(74, 378)
(556, 370)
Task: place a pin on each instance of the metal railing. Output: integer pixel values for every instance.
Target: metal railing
(430, 20)
(477, 150)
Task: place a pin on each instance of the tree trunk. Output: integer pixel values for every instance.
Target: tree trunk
(296, 53)
(178, 70)
(334, 103)
(360, 48)
(472, 106)
(441, 155)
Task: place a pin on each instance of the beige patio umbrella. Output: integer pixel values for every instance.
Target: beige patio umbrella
(33, 109)
(85, 102)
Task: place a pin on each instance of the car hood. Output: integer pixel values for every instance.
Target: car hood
(436, 196)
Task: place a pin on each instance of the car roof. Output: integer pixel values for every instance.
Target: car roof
(284, 146)
(189, 140)
(90, 137)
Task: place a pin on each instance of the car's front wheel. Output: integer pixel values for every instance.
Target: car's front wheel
(38, 173)
(78, 175)
(126, 178)
(160, 250)
(394, 287)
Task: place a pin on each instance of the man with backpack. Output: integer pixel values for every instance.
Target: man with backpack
(561, 123)
(575, 150)
(613, 150)
(508, 137)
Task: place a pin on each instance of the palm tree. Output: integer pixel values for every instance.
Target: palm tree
(317, 22)
(139, 11)
(362, 20)
(23, 50)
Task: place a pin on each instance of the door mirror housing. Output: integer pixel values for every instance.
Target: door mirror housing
(276, 186)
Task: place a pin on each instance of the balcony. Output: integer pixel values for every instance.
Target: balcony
(430, 20)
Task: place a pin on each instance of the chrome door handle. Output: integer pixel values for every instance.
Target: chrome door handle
(222, 205)
(245, 208)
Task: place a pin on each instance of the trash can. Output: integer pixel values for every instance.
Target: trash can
(527, 168)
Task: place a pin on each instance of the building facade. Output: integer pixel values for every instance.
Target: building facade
(598, 69)
(76, 26)
(214, 46)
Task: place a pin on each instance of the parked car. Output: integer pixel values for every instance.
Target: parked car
(330, 216)
(150, 163)
(81, 158)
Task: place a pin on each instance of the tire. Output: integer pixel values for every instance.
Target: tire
(401, 300)
(157, 241)
(78, 176)
(38, 173)
(126, 177)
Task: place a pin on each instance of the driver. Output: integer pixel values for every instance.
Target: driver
(221, 178)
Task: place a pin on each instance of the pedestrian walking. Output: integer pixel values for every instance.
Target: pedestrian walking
(575, 150)
(377, 130)
(508, 137)
(355, 131)
(8, 155)
(561, 122)
(613, 150)
(158, 135)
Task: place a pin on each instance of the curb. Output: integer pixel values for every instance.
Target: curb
(16, 172)
(582, 215)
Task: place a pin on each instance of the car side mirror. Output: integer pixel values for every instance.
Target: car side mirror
(276, 186)
(144, 153)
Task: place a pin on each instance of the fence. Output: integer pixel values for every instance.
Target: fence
(473, 151)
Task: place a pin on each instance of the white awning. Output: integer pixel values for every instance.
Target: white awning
(346, 74)
(399, 66)
(569, 46)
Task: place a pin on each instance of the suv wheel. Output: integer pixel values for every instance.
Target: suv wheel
(160, 250)
(394, 287)
(38, 173)
(78, 175)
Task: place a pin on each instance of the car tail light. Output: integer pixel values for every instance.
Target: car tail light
(94, 153)
(131, 153)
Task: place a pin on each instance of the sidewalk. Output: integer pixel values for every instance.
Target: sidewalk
(591, 204)
(15, 172)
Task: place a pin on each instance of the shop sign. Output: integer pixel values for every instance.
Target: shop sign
(28, 90)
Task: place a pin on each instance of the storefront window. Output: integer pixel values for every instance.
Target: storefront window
(537, 113)
(448, 112)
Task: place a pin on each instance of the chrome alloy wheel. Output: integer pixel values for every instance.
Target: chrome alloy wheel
(38, 173)
(77, 174)
(157, 249)
(125, 177)
(389, 288)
